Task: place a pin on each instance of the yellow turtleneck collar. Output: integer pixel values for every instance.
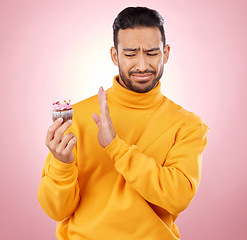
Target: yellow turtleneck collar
(117, 94)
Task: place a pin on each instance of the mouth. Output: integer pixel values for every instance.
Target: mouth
(142, 77)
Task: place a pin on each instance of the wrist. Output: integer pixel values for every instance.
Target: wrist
(61, 169)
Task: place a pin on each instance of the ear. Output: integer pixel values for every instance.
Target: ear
(114, 56)
(166, 53)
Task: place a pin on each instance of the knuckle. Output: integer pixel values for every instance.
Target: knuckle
(65, 138)
(50, 130)
(52, 148)
(71, 135)
(68, 135)
(69, 122)
(64, 154)
(59, 132)
(73, 141)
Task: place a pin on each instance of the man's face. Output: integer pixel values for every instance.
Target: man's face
(140, 58)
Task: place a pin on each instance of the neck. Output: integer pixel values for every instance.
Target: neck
(120, 95)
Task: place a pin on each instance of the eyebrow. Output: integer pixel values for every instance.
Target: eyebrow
(152, 49)
(136, 49)
(131, 49)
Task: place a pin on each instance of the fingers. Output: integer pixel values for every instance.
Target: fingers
(64, 149)
(106, 131)
(65, 140)
(61, 145)
(60, 131)
(96, 119)
(55, 133)
(71, 145)
(52, 129)
(102, 96)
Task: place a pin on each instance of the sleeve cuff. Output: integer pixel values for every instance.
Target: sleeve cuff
(60, 169)
(117, 149)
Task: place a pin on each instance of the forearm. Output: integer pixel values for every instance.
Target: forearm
(171, 185)
(58, 192)
(159, 185)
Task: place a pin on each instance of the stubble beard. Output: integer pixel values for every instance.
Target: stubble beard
(138, 89)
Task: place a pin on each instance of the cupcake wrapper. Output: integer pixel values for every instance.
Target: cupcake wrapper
(66, 115)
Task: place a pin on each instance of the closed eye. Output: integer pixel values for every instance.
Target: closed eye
(152, 54)
(129, 55)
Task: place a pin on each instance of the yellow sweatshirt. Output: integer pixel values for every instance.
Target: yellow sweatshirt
(135, 188)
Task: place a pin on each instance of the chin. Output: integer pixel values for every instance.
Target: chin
(142, 88)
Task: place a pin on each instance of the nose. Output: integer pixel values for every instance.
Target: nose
(142, 63)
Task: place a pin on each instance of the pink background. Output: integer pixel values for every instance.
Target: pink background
(52, 50)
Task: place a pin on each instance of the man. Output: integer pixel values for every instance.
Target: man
(130, 176)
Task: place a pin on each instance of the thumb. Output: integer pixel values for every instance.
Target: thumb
(97, 120)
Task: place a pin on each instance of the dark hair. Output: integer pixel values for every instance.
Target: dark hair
(134, 17)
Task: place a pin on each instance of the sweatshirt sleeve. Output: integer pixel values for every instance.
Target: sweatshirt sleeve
(58, 193)
(171, 185)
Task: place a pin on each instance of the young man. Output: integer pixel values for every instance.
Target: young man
(131, 160)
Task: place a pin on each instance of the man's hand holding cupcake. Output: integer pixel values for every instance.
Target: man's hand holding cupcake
(61, 145)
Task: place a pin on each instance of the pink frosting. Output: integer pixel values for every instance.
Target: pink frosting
(61, 105)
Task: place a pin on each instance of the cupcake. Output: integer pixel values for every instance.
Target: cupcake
(62, 109)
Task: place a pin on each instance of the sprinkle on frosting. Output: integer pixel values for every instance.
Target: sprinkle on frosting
(62, 105)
